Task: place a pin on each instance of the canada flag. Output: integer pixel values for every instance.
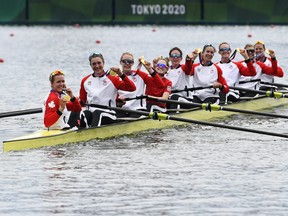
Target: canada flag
(51, 104)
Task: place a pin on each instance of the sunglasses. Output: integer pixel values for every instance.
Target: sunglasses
(159, 65)
(175, 55)
(95, 54)
(208, 45)
(250, 50)
(57, 72)
(224, 49)
(127, 61)
(54, 73)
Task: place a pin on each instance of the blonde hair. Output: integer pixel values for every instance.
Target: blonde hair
(260, 42)
(224, 43)
(126, 53)
(166, 59)
(248, 45)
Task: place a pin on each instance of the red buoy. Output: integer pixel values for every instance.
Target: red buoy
(1, 60)
(97, 41)
(249, 35)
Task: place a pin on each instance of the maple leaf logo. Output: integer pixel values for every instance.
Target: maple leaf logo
(51, 104)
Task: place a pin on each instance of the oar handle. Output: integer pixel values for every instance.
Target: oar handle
(133, 98)
(272, 94)
(118, 109)
(252, 80)
(249, 90)
(274, 84)
(191, 89)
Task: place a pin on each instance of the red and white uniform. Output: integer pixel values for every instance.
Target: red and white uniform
(103, 90)
(156, 90)
(232, 71)
(261, 69)
(53, 119)
(266, 77)
(206, 76)
(180, 79)
(140, 80)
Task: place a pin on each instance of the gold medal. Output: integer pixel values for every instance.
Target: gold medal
(66, 97)
(112, 73)
(142, 60)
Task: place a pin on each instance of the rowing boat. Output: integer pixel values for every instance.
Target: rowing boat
(42, 138)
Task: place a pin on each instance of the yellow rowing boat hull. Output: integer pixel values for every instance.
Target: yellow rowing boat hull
(42, 138)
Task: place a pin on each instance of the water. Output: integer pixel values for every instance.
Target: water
(191, 170)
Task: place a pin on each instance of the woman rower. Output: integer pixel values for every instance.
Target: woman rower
(178, 74)
(260, 56)
(154, 90)
(261, 68)
(101, 88)
(140, 79)
(207, 74)
(59, 103)
(232, 71)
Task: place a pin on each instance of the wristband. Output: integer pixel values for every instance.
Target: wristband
(59, 112)
(247, 61)
(123, 76)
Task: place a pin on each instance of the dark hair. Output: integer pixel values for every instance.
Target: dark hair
(95, 54)
(208, 45)
(175, 48)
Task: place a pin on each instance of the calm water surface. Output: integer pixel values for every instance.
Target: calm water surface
(192, 170)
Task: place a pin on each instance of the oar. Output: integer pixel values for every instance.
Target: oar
(275, 84)
(252, 80)
(267, 93)
(173, 91)
(20, 112)
(216, 107)
(133, 98)
(162, 116)
(190, 89)
(262, 82)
